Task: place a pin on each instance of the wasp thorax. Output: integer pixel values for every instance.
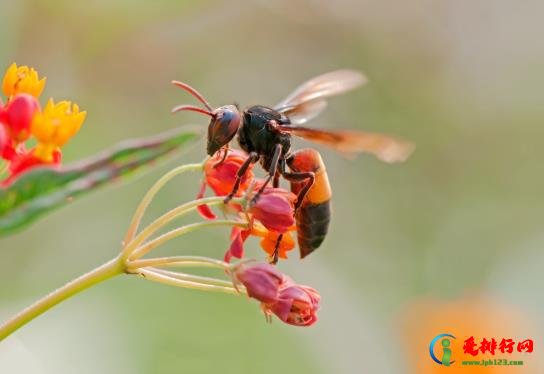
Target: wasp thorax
(223, 126)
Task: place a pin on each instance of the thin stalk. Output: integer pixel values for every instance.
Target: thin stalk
(136, 219)
(160, 278)
(146, 248)
(179, 261)
(193, 278)
(168, 217)
(106, 271)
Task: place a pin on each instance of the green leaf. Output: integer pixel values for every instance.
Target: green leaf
(44, 189)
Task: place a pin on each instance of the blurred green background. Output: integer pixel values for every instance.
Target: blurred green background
(462, 79)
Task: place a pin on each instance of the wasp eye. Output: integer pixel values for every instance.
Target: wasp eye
(223, 126)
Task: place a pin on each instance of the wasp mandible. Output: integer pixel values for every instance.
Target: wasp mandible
(264, 133)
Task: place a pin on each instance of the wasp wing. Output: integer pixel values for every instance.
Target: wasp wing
(308, 99)
(386, 148)
(300, 114)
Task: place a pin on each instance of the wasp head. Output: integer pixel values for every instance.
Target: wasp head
(222, 128)
(224, 123)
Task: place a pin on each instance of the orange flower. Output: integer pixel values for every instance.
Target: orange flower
(268, 241)
(22, 79)
(55, 126)
(22, 117)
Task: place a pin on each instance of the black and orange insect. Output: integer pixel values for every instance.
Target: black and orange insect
(265, 134)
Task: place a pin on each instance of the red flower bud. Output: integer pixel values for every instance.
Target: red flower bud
(275, 209)
(297, 305)
(18, 115)
(262, 281)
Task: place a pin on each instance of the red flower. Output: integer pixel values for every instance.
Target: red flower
(4, 140)
(237, 238)
(262, 281)
(26, 161)
(292, 303)
(221, 176)
(271, 214)
(274, 208)
(203, 209)
(296, 305)
(18, 115)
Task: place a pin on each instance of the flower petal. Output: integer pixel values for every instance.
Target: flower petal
(203, 209)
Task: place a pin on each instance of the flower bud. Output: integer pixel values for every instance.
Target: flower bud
(18, 116)
(262, 281)
(274, 208)
(297, 305)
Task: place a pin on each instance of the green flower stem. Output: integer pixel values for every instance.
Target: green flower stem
(146, 248)
(106, 271)
(3, 169)
(168, 217)
(193, 278)
(133, 228)
(178, 261)
(165, 279)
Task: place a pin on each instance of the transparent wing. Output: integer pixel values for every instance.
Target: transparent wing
(300, 114)
(329, 84)
(386, 148)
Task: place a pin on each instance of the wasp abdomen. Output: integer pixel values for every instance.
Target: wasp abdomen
(314, 215)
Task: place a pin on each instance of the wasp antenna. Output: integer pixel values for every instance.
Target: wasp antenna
(193, 92)
(192, 108)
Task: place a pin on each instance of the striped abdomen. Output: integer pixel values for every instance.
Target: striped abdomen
(314, 214)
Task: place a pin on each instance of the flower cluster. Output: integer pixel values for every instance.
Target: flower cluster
(22, 118)
(292, 303)
(270, 216)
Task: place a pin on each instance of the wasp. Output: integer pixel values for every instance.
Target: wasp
(264, 133)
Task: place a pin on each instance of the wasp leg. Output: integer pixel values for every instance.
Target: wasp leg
(299, 177)
(252, 158)
(276, 181)
(272, 170)
(274, 257)
(226, 150)
(293, 177)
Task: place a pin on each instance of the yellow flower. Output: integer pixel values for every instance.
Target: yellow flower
(54, 126)
(22, 79)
